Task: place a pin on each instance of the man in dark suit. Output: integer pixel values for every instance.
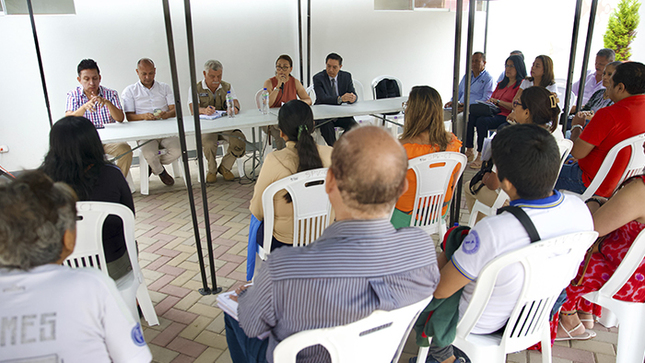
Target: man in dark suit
(334, 87)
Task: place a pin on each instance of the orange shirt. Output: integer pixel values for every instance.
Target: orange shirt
(406, 201)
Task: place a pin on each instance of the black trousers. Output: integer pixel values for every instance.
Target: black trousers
(327, 127)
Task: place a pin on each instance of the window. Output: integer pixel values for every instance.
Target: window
(19, 7)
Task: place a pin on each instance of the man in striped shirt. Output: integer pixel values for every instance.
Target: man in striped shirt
(101, 106)
(359, 264)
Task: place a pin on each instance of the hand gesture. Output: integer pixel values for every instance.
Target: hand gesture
(207, 110)
(448, 104)
(348, 97)
(148, 116)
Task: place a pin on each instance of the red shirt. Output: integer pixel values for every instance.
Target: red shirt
(608, 127)
(505, 94)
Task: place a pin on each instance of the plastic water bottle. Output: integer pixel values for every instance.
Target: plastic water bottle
(230, 105)
(264, 96)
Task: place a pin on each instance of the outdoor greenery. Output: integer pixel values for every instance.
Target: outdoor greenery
(621, 29)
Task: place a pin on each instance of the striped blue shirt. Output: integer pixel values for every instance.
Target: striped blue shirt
(354, 268)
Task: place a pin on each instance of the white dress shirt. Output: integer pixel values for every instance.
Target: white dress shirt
(140, 99)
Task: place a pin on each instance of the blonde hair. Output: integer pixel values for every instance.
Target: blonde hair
(425, 113)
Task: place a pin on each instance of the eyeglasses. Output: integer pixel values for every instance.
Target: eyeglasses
(517, 103)
(285, 68)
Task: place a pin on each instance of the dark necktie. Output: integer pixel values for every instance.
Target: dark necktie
(333, 87)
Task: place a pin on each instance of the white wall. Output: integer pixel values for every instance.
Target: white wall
(247, 36)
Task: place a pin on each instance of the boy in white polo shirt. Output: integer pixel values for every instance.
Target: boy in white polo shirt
(527, 161)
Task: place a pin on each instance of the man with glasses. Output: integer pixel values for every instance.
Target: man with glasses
(334, 87)
(593, 82)
(481, 88)
(211, 93)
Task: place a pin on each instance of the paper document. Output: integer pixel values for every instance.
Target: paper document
(229, 306)
(486, 103)
(217, 114)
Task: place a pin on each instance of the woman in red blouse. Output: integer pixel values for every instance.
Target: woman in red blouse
(502, 97)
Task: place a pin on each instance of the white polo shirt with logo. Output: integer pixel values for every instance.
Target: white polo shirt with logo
(553, 216)
(55, 314)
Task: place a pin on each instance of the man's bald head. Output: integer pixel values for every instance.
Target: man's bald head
(369, 166)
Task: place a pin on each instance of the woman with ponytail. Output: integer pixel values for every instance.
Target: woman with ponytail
(296, 123)
(423, 133)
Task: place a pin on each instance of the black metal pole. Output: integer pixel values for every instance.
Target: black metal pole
(454, 207)
(198, 142)
(302, 70)
(308, 42)
(40, 62)
(486, 28)
(572, 60)
(182, 141)
(454, 217)
(585, 58)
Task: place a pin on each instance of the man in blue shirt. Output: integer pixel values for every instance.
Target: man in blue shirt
(481, 88)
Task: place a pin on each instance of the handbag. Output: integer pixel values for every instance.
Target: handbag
(593, 249)
(487, 167)
(483, 109)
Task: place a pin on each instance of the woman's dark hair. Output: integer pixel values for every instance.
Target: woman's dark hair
(285, 57)
(548, 78)
(296, 120)
(75, 154)
(520, 68)
(542, 105)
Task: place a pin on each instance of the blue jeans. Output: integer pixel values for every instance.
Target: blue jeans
(242, 348)
(483, 124)
(570, 178)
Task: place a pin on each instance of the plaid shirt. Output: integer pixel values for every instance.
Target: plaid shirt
(77, 98)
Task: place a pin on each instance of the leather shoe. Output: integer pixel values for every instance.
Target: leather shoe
(211, 178)
(226, 173)
(166, 178)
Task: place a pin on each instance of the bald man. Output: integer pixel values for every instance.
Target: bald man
(359, 264)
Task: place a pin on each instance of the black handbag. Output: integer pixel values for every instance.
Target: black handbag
(487, 167)
(483, 109)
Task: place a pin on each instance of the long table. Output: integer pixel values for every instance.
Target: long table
(144, 130)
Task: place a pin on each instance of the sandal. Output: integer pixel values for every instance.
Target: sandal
(588, 322)
(477, 164)
(470, 154)
(588, 334)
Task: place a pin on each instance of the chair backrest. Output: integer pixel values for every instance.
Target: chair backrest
(433, 174)
(627, 267)
(360, 91)
(386, 87)
(380, 337)
(311, 207)
(258, 98)
(565, 146)
(88, 251)
(634, 166)
(312, 93)
(549, 266)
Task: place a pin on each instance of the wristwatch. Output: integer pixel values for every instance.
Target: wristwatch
(339, 100)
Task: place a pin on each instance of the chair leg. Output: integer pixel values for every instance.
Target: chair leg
(240, 166)
(631, 344)
(145, 303)
(143, 174)
(423, 354)
(546, 343)
(178, 171)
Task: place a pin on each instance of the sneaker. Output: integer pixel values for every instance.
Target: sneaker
(226, 173)
(211, 178)
(166, 178)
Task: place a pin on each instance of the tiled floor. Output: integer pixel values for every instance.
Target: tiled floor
(191, 326)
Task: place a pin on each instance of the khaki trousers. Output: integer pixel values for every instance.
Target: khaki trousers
(485, 196)
(117, 149)
(236, 148)
(150, 152)
(458, 127)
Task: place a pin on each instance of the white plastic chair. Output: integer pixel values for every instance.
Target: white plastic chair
(360, 91)
(311, 207)
(565, 146)
(549, 266)
(433, 173)
(634, 166)
(258, 99)
(379, 337)
(631, 315)
(176, 172)
(89, 253)
(312, 93)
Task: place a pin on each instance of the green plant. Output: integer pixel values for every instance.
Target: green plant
(621, 29)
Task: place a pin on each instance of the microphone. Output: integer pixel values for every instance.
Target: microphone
(282, 87)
